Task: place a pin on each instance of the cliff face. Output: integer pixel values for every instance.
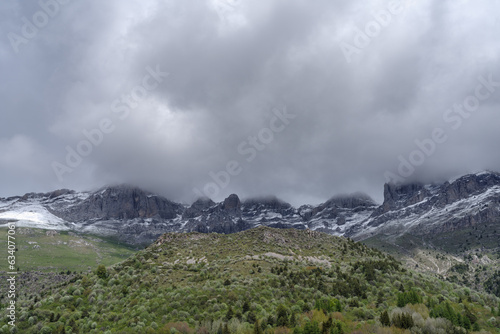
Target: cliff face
(466, 186)
(121, 202)
(399, 196)
(422, 209)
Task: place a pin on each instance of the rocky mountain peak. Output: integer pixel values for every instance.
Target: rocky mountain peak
(399, 195)
(203, 203)
(197, 208)
(232, 203)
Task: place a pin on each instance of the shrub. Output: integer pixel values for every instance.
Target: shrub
(101, 271)
(45, 330)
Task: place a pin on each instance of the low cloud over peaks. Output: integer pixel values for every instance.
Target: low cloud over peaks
(296, 99)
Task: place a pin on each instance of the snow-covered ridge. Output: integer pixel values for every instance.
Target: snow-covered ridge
(33, 215)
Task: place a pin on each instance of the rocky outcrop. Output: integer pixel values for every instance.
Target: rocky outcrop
(271, 203)
(60, 192)
(269, 211)
(339, 214)
(438, 208)
(399, 196)
(338, 207)
(353, 201)
(232, 204)
(467, 186)
(198, 207)
(222, 218)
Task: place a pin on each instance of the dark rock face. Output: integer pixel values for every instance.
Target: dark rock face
(466, 186)
(350, 201)
(260, 207)
(478, 187)
(232, 203)
(205, 216)
(470, 200)
(398, 196)
(122, 202)
(198, 207)
(270, 203)
(60, 192)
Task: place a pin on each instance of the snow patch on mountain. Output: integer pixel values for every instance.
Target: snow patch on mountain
(33, 215)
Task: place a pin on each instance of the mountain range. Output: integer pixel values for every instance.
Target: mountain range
(259, 264)
(138, 217)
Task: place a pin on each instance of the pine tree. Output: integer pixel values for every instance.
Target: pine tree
(476, 327)
(246, 307)
(293, 320)
(251, 317)
(263, 325)
(466, 323)
(403, 320)
(468, 314)
(256, 328)
(229, 314)
(384, 319)
(327, 325)
(282, 316)
(380, 298)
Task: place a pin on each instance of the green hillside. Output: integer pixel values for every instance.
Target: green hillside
(51, 251)
(258, 281)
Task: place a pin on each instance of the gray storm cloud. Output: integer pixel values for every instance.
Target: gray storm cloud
(303, 100)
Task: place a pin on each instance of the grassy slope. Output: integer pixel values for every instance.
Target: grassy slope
(192, 281)
(39, 250)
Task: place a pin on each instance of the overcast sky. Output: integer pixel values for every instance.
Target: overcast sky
(301, 99)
